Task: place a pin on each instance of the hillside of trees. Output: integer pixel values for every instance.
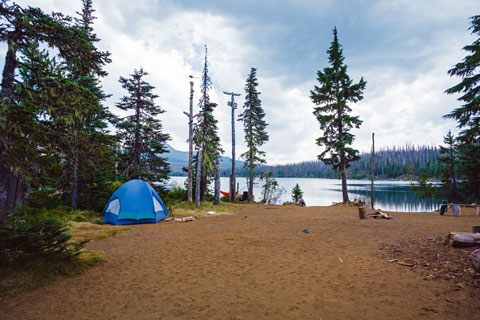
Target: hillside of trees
(390, 163)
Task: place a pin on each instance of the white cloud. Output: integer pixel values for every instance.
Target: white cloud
(405, 69)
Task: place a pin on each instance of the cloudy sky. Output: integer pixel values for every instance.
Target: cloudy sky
(402, 48)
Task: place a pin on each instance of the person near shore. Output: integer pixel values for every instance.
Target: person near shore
(301, 203)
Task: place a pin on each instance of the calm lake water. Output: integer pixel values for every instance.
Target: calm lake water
(389, 195)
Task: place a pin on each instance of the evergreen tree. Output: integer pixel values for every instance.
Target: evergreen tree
(449, 181)
(468, 116)
(88, 144)
(254, 127)
(333, 113)
(23, 29)
(143, 139)
(297, 193)
(205, 133)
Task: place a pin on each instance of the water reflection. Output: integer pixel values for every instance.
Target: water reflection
(389, 195)
(397, 197)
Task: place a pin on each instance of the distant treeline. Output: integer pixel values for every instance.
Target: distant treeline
(390, 163)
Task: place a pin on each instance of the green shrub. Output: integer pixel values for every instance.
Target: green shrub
(175, 196)
(44, 199)
(30, 238)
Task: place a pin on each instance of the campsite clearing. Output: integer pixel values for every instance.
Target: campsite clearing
(266, 267)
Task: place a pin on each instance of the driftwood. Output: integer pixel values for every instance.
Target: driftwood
(462, 239)
(380, 214)
(185, 219)
(475, 260)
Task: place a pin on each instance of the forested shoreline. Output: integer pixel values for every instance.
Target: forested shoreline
(405, 162)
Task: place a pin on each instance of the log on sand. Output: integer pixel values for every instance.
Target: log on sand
(461, 239)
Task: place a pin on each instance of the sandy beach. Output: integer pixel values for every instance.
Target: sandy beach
(261, 263)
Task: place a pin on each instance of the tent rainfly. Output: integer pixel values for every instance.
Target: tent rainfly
(134, 202)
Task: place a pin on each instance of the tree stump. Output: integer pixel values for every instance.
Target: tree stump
(475, 260)
(362, 212)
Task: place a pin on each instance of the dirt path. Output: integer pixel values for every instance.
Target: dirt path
(258, 264)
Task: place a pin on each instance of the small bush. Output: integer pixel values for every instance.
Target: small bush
(27, 238)
(297, 193)
(175, 196)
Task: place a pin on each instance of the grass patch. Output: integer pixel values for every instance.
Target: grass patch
(184, 209)
(91, 231)
(63, 214)
(17, 278)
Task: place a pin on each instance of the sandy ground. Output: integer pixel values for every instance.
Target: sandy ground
(259, 264)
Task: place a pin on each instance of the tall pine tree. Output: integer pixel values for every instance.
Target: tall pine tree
(336, 90)
(254, 127)
(143, 139)
(206, 133)
(468, 116)
(86, 139)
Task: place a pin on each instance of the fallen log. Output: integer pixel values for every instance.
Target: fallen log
(462, 239)
(380, 214)
(185, 219)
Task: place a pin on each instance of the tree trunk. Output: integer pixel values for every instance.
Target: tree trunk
(250, 185)
(460, 239)
(8, 75)
(4, 179)
(344, 183)
(373, 172)
(7, 195)
(74, 196)
(217, 179)
(190, 146)
(233, 195)
(197, 179)
(12, 191)
(203, 187)
(342, 158)
(20, 191)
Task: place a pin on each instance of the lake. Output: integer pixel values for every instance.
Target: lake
(389, 195)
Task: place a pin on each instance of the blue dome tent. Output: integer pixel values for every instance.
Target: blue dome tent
(134, 202)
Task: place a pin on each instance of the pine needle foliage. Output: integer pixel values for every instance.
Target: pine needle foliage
(254, 126)
(332, 96)
(53, 126)
(143, 139)
(468, 115)
(297, 193)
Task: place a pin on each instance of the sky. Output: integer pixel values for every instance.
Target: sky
(402, 48)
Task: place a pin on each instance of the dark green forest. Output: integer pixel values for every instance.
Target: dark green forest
(406, 162)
